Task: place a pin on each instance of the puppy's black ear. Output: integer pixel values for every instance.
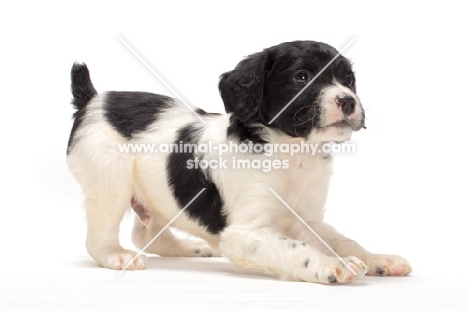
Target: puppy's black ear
(242, 88)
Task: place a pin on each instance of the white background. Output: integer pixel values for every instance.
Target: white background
(403, 191)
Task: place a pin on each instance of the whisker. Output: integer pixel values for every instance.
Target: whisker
(294, 117)
(309, 119)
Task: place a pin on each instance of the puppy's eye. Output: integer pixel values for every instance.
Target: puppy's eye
(302, 77)
(350, 81)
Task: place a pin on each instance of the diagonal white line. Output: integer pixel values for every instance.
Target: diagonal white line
(161, 231)
(160, 79)
(311, 81)
(313, 231)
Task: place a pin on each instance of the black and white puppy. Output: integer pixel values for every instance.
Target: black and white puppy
(236, 213)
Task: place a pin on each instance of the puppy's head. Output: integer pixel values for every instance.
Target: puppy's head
(263, 84)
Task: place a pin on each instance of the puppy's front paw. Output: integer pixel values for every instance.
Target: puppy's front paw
(119, 260)
(386, 265)
(341, 273)
(202, 249)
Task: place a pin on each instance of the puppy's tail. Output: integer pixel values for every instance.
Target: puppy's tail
(81, 86)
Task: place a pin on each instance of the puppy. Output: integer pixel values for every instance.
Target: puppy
(260, 209)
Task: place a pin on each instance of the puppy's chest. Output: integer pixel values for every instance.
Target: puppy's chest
(305, 183)
(306, 170)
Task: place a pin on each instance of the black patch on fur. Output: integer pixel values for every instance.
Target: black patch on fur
(331, 279)
(293, 245)
(379, 271)
(243, 132)
(206, 114)
(242, 88)
(253, 247)
(83, 91)
(303, 244)
(132, 112)
(186, 184)
(306, 263)
(282, 238)
(81, 86)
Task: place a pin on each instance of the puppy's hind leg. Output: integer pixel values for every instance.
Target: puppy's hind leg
(166, 244)
(108, 190)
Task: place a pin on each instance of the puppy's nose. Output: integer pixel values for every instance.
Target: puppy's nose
(347, 104)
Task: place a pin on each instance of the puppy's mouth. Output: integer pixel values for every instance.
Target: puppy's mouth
(343, 123)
